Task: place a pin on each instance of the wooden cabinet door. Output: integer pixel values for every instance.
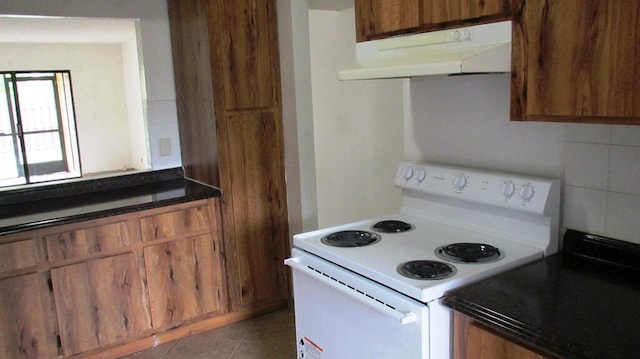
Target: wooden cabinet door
(100, 302)
(27, 320)
(185, 280)
(440, 11)
(249, 67)
(482, 344)
(259, 239)
(577, 61)
(381, 17)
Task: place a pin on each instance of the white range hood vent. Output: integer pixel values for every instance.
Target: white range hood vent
(482, 48)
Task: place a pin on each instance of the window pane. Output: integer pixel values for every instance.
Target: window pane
(5, 115)
(43, 147)
(37, 105)
(11, 169)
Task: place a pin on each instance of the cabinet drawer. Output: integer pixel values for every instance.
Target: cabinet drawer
(18, 255)
(92, 240)
(182, 223)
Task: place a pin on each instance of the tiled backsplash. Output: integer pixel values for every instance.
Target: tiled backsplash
(465, 120)
(601, 192)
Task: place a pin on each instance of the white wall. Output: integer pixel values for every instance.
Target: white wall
(99, 96)
(358, 131)
(465, 120)
(157, 70)
(297, 115)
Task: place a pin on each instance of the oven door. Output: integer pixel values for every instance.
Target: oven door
(340, 315)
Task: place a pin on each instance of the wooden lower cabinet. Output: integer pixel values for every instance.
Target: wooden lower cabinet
(27, 320)
(473, 340)
(184, 280)
(100, 302)
(112, 286)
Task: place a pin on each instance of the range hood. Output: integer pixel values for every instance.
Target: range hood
(482, 48)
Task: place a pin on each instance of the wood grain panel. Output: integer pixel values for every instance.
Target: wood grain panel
(379, 17)
(184, 279)
(482, 344)
(181, 223)
(100, 302)
(440, 11)
(472, 340)
(18, 255)
(194, 89)
(574, 61)
(247, 65)
(92, 240)
(262, 233)
(27, 322)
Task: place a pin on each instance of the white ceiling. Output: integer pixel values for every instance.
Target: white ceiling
(330, 4)
(36, 29)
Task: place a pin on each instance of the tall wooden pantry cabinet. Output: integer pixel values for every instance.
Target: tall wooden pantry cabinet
(226, 64)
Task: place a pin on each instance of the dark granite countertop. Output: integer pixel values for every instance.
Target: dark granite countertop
(571, 304)
(28, 209)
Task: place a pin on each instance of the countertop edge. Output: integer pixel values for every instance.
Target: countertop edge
(211, 192)
(520, 330)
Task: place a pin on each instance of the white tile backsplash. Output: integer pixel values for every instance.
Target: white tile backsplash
(586, 165)
(624, 170)
(584, 209)
(623, 212)
(588, 133)
(625, 135)
(464, 120)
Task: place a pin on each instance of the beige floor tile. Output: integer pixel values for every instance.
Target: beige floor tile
(269, 336)
(277, 348)
(188, 348)
(155, 353)
(273, 326)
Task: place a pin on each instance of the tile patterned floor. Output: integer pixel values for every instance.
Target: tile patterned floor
(271, 336)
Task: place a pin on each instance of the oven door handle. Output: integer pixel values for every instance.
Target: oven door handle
(403, 318)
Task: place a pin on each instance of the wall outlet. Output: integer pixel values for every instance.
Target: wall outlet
(165, 147)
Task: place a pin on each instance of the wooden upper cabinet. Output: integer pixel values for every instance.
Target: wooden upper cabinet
(381, 17)
(577, 61)
(442, 11)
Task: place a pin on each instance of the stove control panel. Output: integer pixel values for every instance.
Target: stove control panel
(530, 194)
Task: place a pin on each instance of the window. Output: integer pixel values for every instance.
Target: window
(38, 140)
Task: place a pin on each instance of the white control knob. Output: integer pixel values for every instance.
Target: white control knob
(459, 182)
(508, 189)
(408, 173)
(526, 192)
(422, 174)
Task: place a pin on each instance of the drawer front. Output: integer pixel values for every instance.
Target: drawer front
(182, 223)
(18, 255)
(87, 241)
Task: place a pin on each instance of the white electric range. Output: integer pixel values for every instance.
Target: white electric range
(372, 289)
